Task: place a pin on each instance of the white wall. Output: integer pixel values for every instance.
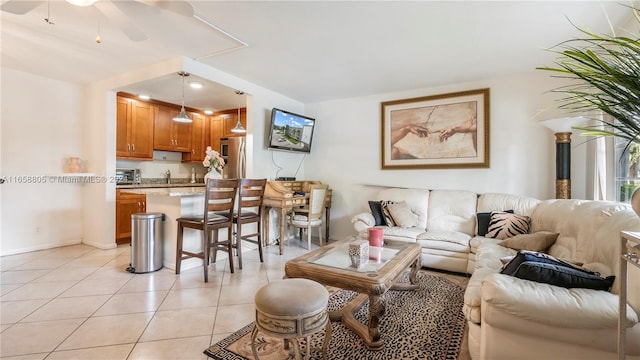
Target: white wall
(41, 126)
(346, 152)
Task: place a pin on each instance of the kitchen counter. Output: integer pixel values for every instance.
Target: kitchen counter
(175, 202)
(155, 186)
(166, 191)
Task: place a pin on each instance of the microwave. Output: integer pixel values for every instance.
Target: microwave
(128, 176)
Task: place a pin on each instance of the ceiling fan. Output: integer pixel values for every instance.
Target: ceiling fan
(114, 11)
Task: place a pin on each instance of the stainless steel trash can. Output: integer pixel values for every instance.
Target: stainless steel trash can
(146, 242)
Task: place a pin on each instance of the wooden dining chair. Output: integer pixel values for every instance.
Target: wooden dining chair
(219, 202)
(249, 211)
(311, 216)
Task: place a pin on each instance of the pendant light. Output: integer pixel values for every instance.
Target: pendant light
(239, 128)
(182, 116)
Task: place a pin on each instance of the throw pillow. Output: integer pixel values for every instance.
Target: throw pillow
(402, 214)
(388, 219)
(376, 211)
(543, 268)
(539, 241)
(483, 221)
(505, 225)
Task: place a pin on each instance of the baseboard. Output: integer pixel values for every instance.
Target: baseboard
(41, 247)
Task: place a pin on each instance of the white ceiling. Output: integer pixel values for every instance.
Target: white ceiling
(310, 51)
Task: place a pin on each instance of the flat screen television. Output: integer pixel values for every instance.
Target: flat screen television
(290, 132)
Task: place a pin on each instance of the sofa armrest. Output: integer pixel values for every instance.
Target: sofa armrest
(553, 305)
(363, 221)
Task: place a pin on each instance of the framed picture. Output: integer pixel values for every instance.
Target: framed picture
(444, 131)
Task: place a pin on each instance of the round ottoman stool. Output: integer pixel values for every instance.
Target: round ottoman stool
(292, 309)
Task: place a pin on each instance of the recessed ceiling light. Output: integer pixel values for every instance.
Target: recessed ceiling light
(208, 112)
(82, 2)
(195, 84)
(144, 96)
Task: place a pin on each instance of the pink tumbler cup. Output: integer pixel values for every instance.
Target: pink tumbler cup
(375, 237)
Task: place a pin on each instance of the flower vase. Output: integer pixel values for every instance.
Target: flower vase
(213, 174)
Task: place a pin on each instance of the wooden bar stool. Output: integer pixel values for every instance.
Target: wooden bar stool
(219, 202)
(249, 211)
(291, 309)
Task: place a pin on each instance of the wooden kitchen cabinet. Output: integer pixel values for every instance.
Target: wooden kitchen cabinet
(171, 135)
(134, 129)
(127, 205)
(221, 123)
(199, 138)
(216, 131)
(230, 118)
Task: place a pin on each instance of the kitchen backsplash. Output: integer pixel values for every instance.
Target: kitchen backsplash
(152, 171)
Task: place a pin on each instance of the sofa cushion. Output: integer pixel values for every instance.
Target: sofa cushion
(445, 240)
(403, 234)
(376, 211)
(521, 205)
(483, 219)
(452, 210)
(547, 269)
(505, 225)
(402, 215)
(539, 241)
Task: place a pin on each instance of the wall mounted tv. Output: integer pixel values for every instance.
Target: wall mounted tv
(290, 132)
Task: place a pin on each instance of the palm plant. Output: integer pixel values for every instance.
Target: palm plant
(605, 74)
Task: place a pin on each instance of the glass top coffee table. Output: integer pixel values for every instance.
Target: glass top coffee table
(330, 265)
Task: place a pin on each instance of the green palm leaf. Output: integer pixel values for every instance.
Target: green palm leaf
(605, 76)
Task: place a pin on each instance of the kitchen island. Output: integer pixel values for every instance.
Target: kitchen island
(176, 202)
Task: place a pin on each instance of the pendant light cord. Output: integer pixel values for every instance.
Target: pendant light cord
(182, 74)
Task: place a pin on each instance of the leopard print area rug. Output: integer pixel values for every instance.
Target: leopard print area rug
(423, 324)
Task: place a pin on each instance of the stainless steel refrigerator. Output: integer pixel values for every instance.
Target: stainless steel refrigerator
(232, 150)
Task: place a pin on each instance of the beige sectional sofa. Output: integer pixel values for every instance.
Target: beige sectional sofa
(512, 318)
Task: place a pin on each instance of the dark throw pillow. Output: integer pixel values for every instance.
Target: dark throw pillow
(543, 268)
(376, 211)
(483, 221)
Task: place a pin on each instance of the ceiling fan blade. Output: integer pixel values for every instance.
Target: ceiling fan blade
(20, 7)
(179, 7)
(112, 12)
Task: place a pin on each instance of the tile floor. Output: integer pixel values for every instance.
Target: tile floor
(78, 302)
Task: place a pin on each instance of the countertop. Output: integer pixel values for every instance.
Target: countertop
(156, 186)
(167, 191)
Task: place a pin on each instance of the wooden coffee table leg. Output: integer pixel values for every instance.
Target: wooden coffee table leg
(369, 334)
(412, 278)
(376, 311)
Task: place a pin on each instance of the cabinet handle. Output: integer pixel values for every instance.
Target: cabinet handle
(133, 147)
(128, 147)
(193, 151)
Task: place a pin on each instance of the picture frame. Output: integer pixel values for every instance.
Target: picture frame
(445, 131)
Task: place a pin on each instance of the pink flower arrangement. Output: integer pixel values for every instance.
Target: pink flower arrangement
(213, 160)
